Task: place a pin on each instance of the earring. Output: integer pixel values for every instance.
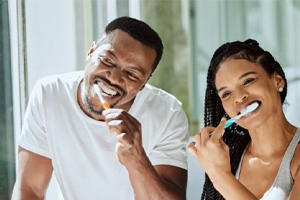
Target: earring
(280, 89)
(88, 57)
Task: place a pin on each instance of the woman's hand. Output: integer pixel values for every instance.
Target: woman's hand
(211, 151)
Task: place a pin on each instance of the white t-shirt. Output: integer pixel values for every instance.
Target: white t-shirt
(83, 151)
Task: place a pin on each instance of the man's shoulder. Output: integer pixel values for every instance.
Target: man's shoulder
(153, 94)
(58, 84)
(69, 76)
(58, 79)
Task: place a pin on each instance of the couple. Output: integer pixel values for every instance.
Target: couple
(137, 147)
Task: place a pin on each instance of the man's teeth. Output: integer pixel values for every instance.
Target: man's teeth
(107, 91)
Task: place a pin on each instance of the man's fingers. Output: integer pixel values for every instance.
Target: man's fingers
(124, 140)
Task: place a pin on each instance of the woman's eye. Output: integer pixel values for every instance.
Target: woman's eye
(225, 94)
(248, 81)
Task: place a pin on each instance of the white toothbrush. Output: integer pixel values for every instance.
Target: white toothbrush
(104, 103)
(248, 109)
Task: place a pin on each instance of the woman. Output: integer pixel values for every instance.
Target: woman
(257, 157)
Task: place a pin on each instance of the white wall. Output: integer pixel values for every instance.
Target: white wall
(50, 33)
(195, 177)
(292, 106)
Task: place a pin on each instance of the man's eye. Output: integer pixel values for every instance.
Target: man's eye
(106, 61)
(132, 76)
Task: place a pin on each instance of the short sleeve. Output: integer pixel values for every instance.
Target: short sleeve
(33, 137)
(171, 148)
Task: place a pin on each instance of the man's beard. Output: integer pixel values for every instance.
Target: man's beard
(90, 107)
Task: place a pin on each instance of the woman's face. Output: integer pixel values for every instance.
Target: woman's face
(240, 83)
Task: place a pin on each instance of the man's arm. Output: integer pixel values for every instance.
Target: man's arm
(161, 182)
(175, 177)
(34, 174)
(148, 181)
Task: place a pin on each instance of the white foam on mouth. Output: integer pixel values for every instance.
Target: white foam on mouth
(244, 112)
(107, 91)
(249, 109)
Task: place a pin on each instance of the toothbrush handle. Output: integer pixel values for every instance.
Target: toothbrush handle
(229, 122)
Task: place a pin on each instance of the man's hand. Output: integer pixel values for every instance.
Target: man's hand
(129, 147)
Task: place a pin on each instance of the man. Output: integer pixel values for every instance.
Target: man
(66, 129)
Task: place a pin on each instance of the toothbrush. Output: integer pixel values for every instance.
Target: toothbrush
(248, 109)
(104, 103)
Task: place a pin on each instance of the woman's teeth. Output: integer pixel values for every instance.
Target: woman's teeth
(106, 91)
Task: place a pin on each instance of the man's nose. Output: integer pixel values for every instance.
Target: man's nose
(115, 76)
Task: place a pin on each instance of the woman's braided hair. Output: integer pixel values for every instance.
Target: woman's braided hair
(236, 137)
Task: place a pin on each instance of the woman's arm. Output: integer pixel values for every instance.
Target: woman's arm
(213, 155)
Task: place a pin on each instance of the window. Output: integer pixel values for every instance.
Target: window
(171, 20)
(191, 31)
(7, 153)
(274, 24)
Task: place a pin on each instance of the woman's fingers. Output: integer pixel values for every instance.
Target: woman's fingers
(217, 134)
(207, 135)
(192, 148)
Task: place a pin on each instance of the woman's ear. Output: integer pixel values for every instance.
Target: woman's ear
(279, 82)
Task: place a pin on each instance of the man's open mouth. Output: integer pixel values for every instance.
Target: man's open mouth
(105, 91)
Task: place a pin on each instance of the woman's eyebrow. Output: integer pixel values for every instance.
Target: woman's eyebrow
(222, 88)
(241, 77)
(246, 74)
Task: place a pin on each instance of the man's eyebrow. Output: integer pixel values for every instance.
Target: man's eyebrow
(111, 53)
(139, 69)
(241, 77)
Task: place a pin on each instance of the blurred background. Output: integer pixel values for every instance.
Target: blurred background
(44, 37)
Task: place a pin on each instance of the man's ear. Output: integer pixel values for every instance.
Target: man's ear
(279, 82)
(146, 81)
(91, 50)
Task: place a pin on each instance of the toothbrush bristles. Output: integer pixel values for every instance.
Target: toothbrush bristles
(104, 103)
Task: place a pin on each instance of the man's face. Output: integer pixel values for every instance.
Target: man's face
(120, 67)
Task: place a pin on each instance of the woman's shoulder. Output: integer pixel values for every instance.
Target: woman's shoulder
(295, 163)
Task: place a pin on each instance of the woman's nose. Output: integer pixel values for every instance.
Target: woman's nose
(240, 96)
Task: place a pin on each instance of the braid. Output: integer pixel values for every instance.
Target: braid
(236, 137)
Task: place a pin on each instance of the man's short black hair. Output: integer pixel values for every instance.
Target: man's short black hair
(140, 31)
